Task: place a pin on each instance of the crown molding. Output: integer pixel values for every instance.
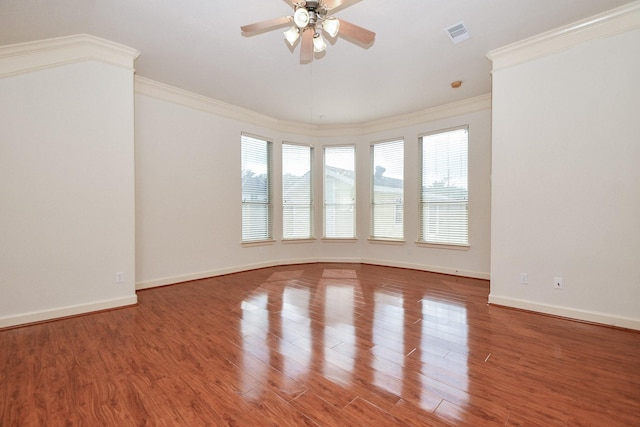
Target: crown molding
(174, 95)
(606, 24)
(36, 55)
(439, 112)
(164, 92)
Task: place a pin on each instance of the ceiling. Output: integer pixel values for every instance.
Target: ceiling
(197, 45)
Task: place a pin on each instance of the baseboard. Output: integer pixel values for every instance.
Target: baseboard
(429, 268)
(341, 260)
(72, 310)
(570, 313)
(218, 272)
(200, 275)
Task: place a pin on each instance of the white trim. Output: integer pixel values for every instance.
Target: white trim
(240, 268)
(440, 112)
(31, 56)
(302, 240)
(73, 310)
(188, 99)
(339, 260)
(428, 268)
(339, 239)
(570, 313)
(612, 22)
(174, 95)
(218, 272)
(35, 55)
(383, 241)
(251, 243)
(443, 246)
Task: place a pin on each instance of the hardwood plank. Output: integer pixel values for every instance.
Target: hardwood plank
(319, 344)
(413, 415)
(472, 414)
(321, 411)
(367, 414)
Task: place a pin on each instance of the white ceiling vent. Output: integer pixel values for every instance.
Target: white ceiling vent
(458, 32)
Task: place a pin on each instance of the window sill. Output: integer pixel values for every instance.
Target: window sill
(379, 241)
(338, 240)
(258, 243)
(443, 246)
(287, 241)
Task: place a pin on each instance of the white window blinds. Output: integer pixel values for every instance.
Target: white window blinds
(256, 189)
(339, 192)
(444, 189)
(297, 201)
(387, 190)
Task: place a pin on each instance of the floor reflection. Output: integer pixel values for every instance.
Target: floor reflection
(254, 326)
(407, 343)
(339, 329)
(296, 329)
(388, 339)
(444, 351)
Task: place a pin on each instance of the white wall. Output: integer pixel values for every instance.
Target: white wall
(188, 191)
(566, 152)
(67, 190)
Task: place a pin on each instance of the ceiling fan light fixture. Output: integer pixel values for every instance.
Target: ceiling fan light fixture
(331, 26)
(292, 35)
(310, 19)
(301, 17)
(318, 43)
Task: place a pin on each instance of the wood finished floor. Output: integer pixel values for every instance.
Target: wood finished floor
(319, 344)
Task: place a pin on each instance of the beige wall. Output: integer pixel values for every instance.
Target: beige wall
(188, 197)
(566, 153)
(66, 189)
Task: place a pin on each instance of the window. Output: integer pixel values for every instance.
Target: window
(444, 190)
(339, 192)
(256, 189)
(297, 202)
(387, 190)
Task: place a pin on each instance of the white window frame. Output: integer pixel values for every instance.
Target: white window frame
(335, 236)
(455, 233)
(392, 218)
(267, 235)
(286, 204)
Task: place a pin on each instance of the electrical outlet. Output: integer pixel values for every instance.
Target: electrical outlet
(557, 282)
(524, 278)
(120, 277)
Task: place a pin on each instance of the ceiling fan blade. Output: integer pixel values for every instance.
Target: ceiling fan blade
(306, 47)
(355, 32)
(338, 4)
(268, 25)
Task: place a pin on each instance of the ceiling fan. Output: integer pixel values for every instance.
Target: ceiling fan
(310, 19)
